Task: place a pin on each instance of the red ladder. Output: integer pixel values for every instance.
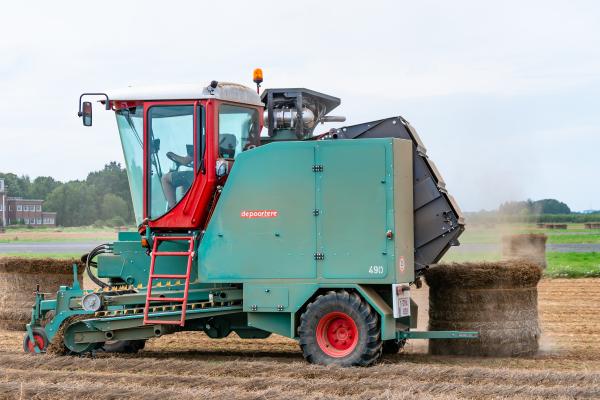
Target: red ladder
(152, 276)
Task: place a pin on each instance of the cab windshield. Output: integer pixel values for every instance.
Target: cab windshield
(130, 123)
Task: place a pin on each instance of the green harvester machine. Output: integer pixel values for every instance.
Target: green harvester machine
(316, 237)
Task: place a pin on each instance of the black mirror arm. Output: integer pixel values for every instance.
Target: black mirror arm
(80, 112)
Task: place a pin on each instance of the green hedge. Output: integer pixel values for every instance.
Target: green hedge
(489, 217)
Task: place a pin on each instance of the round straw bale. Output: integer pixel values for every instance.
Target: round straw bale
(499, 300)
(527, 246)
(18, 280)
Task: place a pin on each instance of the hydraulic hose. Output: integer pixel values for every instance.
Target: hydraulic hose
(89, 263)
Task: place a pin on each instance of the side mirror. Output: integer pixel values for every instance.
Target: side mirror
(87, 113)
(85, 108)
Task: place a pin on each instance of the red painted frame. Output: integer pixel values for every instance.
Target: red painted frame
(192, 209)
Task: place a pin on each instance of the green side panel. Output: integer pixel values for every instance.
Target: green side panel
(280, 323)
(111, 266)
(352, 223)
(266, 297)
(273, 296)
(352, 194)
(129, 261)
(263, 300)
(276, 177)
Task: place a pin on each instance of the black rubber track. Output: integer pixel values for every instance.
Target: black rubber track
(369, 346)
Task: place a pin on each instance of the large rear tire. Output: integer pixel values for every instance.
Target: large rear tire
(340, 328)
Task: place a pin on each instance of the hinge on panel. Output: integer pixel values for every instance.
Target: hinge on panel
(316, 213)
(317, 168)
(319, 256)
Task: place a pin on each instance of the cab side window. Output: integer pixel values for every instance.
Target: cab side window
(238, 130)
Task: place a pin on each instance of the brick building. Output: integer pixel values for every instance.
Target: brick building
(17, 210)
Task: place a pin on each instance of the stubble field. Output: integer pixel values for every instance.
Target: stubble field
(191, 366)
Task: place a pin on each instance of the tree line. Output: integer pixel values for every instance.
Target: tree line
(537, 207)
(529, 211)
(102, 199)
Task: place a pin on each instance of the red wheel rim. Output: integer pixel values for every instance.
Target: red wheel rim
(40, 343)
(337, 334)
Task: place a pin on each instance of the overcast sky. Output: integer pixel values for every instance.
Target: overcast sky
(505, 96)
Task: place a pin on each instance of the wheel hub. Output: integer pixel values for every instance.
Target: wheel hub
(337, 334)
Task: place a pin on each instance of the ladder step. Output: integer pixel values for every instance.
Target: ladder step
(167, 299)
(172, 253)
(163, 322)
(168, 276)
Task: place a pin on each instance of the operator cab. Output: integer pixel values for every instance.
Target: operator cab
(179, 143)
